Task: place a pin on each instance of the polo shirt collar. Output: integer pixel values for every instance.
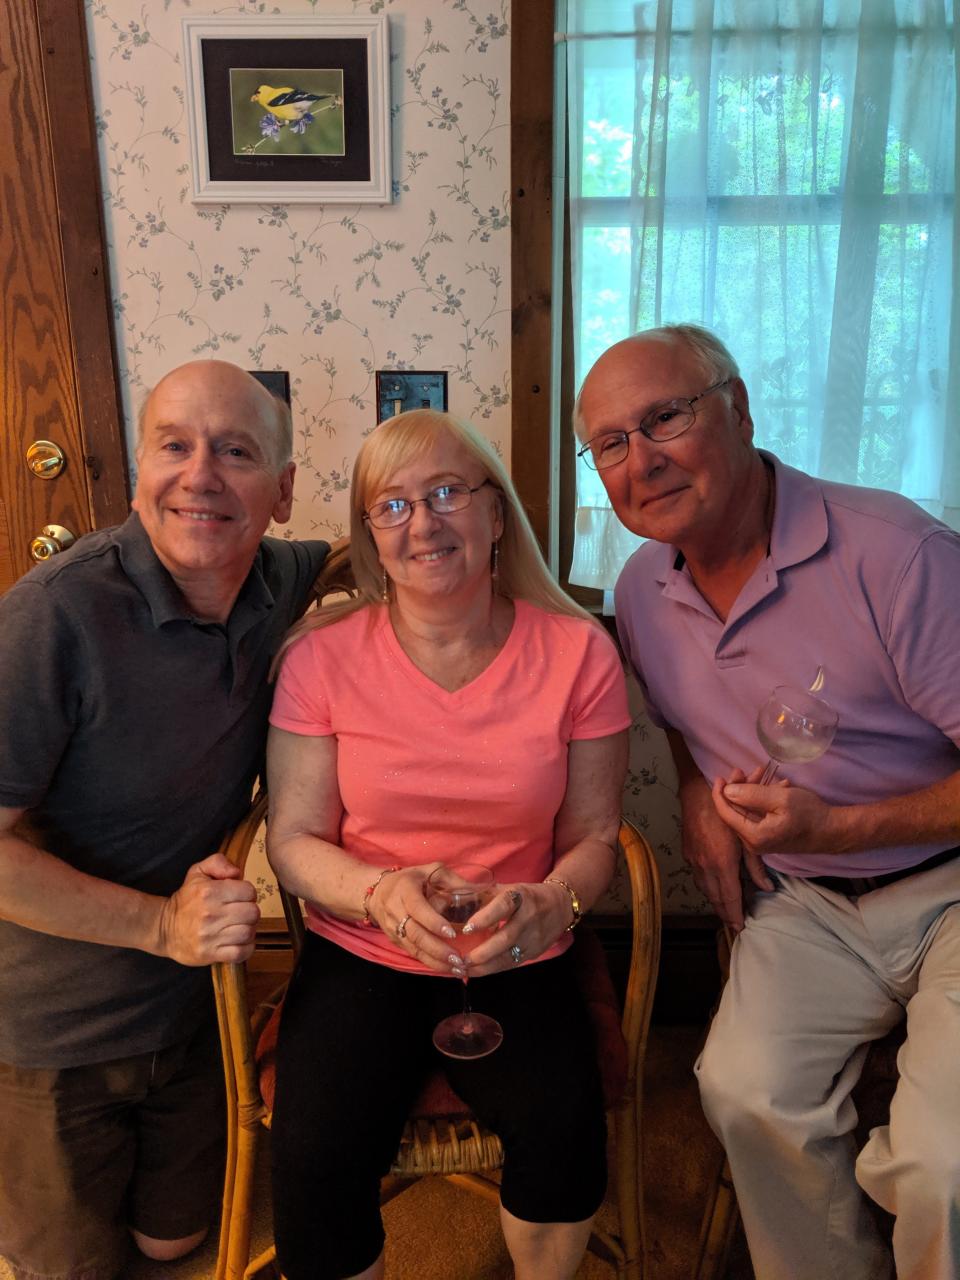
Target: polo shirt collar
(800, 525)
(799, 531)
(162, 595)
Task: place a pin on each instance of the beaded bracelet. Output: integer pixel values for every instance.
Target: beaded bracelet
(368, 920)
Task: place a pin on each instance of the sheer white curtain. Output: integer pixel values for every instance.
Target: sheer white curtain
(783, 172)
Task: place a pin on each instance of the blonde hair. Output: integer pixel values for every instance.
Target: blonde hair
(522, 573)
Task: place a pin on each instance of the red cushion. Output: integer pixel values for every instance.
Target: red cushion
(438, 1099)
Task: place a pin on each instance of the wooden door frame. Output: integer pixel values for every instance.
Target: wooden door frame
(64, 51)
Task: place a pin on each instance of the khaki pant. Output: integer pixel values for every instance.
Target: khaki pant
(814, 978)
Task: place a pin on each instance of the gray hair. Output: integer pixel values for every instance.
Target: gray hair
(713, 356)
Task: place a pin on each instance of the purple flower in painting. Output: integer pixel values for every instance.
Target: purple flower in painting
(270, 126)
(300, 126)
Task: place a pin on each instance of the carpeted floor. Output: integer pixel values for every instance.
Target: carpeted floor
(437, 1232)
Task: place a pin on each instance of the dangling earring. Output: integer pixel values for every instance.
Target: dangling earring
(495, 562)
(385, 589)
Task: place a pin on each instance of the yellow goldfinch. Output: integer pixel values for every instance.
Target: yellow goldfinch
(287, 104)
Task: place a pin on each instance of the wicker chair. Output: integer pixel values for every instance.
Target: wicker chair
(441, 1137)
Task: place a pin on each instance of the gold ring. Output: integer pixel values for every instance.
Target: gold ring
(516, 954)
(402, 927)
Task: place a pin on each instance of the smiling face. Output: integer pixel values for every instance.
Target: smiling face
(208, 481)
(685, 491)
(439, 557)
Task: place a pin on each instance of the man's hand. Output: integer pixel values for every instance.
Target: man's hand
(212, 916)
(779, 818)
(715, 853)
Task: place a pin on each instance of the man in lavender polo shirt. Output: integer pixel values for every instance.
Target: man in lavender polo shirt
(757, 575)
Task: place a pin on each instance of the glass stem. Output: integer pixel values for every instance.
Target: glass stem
(769, 773)
(466, 999)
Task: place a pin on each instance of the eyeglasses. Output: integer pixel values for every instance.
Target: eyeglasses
(665, 421)
(442, 501)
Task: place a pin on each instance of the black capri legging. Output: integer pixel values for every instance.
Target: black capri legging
(353, 1053)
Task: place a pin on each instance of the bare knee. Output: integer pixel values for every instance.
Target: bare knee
(168, 1250)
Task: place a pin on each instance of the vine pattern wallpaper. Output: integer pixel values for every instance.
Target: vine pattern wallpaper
(333, 293)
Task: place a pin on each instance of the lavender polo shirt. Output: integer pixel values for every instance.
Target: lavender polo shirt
(860, 581)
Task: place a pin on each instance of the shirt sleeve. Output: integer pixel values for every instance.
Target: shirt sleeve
(923, 634)
(300, 703)
(625, 630)
(40, 691)
(599, 705)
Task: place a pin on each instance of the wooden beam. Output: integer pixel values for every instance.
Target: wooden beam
(531, 170)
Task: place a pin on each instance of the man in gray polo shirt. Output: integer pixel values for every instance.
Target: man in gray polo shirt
(757, 575)
(133, 710)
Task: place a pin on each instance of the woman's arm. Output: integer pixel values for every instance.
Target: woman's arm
(585, 844)
(303, 831)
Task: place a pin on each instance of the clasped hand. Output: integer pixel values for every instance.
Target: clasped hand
(528, 916)
(744, 821)
(776, 818)
(212, 917)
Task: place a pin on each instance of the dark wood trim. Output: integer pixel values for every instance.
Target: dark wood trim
(531, 176)
(73, 143)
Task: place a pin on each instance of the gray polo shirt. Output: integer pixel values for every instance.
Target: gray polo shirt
(133, 733)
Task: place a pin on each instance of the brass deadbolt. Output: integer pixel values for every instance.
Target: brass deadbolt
(45, 459)
(50, 541)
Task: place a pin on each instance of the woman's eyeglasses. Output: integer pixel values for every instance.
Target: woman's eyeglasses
(442, 501)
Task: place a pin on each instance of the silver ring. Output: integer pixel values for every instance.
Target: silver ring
(516, 953)
(516, 897)
(402, 927)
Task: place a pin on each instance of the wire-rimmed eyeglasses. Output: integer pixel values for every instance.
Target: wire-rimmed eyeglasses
(442, 500)
(664, 421)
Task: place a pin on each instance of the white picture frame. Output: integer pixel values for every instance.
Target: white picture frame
(313, 143)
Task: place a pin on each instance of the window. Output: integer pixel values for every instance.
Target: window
(782, 172)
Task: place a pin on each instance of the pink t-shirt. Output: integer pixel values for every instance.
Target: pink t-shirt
(426, 775)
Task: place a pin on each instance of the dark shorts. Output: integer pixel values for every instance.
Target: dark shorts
(88, 1152)
(353, 1052)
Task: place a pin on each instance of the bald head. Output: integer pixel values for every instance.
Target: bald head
(708, 355)
(219, 381)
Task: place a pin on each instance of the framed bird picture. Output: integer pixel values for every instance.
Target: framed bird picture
(288, 110)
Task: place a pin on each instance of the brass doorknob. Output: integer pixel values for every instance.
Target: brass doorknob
(45, 459)
(50, 541)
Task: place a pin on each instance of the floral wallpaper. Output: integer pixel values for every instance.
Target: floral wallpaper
(333, 293)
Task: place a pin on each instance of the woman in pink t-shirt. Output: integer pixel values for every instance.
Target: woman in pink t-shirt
(462, 708)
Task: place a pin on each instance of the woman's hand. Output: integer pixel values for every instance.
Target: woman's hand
(399, 907)
(529, 916)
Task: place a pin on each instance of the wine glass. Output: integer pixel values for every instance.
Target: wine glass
(794, 726)
(457, 892)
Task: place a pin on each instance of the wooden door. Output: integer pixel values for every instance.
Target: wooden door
(57, 369)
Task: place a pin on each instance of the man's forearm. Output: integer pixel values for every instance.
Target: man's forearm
(42, 892)
(930, 816)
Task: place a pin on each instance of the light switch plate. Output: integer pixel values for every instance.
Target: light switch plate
(401, 389)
